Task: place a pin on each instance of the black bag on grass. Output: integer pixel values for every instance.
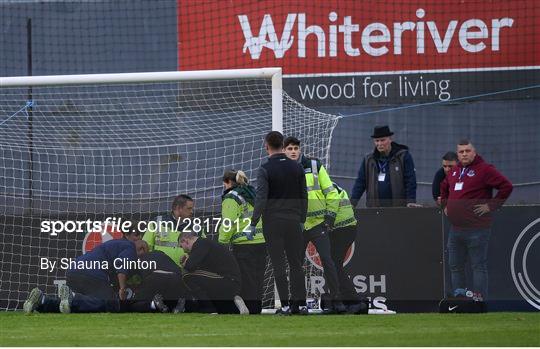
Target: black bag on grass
(462, 305)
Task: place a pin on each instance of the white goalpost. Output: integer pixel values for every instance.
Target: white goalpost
(274, 74)
(78, 147)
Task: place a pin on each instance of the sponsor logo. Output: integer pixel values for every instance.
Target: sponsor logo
(374, 39)
(518, 263)
(306, 37)
(99, 235)
(452, 308)
(313, 256)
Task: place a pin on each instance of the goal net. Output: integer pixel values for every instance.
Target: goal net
(77, 148)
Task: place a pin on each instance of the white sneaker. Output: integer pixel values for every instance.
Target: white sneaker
(33, 301)
(239, 302)
(65, 299)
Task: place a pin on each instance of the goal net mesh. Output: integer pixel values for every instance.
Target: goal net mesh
(126, 150)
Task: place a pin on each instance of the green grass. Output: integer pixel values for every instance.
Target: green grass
(493, 329)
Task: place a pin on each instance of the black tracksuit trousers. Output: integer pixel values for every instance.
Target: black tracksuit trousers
(251, 259)
(219, 290)
(319, 237)
(284, 238)
(340, 241)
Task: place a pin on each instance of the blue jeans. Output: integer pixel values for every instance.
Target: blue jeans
(474, 244)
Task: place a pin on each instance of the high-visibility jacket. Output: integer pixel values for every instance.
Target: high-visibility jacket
(323, 198)
(345, 216)
(164, 237)
(237, 210)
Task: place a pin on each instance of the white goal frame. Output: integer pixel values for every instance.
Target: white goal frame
(274, 74)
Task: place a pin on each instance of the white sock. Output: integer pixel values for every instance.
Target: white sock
(153, 305)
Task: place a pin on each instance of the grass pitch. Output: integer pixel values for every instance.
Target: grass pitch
(493, 329)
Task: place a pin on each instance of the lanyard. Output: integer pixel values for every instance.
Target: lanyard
(463, 171)
(381, 165)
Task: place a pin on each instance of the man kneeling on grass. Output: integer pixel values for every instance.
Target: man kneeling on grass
(212, 273)
(90, 278)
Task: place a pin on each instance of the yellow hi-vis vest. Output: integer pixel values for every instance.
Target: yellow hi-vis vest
(237, 211)
(165, 238)
(345, 216)
(323, 198)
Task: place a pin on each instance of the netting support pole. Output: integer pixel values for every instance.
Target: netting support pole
(277, 102)
(30, 132)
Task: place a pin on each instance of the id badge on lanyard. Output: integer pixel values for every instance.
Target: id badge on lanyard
(459, 184)
(382, 175)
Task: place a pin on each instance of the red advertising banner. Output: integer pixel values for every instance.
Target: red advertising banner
(330, 36)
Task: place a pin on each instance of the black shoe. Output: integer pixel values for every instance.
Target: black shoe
(301, 310)
(335, 307)
(284, 311)
(339, 307)
(180, 306)
(358, 308)
(160, 304)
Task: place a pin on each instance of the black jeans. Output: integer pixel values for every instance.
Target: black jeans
(340, 241)
(219, 290)
(284, 237)
(251, 259)
(319, 237)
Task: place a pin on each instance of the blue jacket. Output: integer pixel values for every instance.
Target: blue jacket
(104, 255)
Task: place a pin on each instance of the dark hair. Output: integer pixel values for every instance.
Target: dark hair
(291, 140)
(237, 177)
(180, 201)
(450, 156)
(187, 234)
(132, 232)
(464, 141)
(274, 139)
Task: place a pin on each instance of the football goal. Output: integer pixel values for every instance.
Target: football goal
(87, 147)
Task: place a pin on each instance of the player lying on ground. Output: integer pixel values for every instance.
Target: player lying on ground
(89, 281)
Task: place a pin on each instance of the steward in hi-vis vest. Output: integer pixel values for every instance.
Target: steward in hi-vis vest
(341, 239)
(345, 215)
(248, 246)
(323, 205)
(164, 236)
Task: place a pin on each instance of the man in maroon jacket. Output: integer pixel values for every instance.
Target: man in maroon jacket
(467, 198)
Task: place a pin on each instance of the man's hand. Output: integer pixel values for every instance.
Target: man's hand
(122, 294)
(184, 259)
(438, 201)
(329, 222)
(250, 232)
(445, 211)
(481, 209)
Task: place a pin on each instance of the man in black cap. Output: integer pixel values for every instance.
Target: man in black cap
(387, 175)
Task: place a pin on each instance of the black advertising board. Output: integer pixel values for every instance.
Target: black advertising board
(397, 260)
